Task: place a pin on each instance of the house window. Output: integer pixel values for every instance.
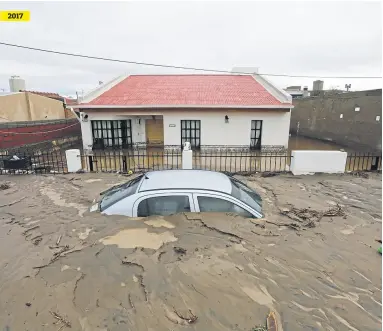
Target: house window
(256, 134)
(191, 132)
(112, 133)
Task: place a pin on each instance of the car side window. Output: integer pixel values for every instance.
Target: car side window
(164, 205)
(209, 204)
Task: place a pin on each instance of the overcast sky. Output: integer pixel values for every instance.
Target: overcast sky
(301, 38)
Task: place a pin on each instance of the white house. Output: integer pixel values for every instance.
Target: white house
(207, 110)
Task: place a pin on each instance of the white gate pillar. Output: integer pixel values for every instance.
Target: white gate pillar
(73, 160)
(187, 157)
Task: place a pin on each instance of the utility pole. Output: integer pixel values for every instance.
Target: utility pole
(347, 86)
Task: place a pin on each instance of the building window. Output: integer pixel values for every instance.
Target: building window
(112, 133)
(256, 134)
(191, 132)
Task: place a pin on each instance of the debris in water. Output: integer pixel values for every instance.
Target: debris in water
(360, 174)
(30, 229)
(271, 322)
(4, 186)
(269, 174)
(307, 217)
(37, 240)
(13, 202)
(61, 319)
(179, 250)
(190, 319)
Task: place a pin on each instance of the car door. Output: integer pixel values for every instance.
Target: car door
(220, 203)
(163, 204)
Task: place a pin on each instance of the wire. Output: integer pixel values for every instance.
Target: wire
(176, 67)
(66, 127)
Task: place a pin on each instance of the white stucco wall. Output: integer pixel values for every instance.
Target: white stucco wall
(138, 130)
(310, 162)
(214, 130)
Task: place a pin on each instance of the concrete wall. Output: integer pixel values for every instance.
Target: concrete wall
(43, 108)
(214, 130)
(26, 106)
(310, 162)
(334, 118)
(14, 107)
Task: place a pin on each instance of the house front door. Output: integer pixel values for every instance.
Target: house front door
(154, 132)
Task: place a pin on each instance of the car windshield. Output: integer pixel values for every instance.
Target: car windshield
(119, 192)
(245, 194)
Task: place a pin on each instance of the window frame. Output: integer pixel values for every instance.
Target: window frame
(125, 134)
(254, 144)
(226, 198)
(184, 129)
(164, 194)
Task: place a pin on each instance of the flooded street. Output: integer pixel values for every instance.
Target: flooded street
(312, 260)
(304, 143)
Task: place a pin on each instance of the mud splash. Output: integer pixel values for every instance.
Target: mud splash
(133, 238)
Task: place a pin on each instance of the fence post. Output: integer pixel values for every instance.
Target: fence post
(187, 157)
(73, 160)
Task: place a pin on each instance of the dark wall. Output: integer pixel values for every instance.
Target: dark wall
(17, 134)
(319, 117)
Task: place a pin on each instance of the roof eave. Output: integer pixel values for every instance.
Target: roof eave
(87, 106)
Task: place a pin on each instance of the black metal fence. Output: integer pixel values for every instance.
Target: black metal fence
(52, 159)
(170, 157)
(137, 158)
(363, 162)
(241, 160)
(46, 157)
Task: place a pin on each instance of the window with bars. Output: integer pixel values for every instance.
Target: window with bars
(112, 133)
(256, 134)
(191, 132)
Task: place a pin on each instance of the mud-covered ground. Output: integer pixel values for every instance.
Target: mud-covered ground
(63, 268)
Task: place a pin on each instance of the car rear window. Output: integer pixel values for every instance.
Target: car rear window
(119, 192)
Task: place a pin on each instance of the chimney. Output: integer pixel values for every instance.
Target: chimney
(306, 92)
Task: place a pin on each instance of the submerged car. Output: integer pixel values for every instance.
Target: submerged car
(169, 192)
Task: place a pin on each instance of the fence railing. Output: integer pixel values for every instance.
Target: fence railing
(225, 160)
(52, 159)
(46, 157)
(363, 162)
(135, 159)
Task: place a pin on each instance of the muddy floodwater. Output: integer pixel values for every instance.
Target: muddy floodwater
(312, 260)
(305, 143)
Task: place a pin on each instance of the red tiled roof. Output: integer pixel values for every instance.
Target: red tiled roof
(173, 90)
(70, 102)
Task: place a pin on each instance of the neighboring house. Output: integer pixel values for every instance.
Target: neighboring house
(209, 111)
(26, 106)
(296, 92)
(67, 102)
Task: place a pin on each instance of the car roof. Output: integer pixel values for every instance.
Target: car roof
(186, 179)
